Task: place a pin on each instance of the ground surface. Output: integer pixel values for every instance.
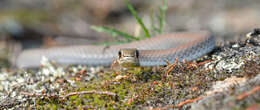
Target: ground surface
(228, 78)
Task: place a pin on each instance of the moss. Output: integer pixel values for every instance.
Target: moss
(145, 87)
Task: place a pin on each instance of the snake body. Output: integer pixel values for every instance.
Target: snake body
(152, 52)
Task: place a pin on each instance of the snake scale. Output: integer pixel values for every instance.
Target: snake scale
(152, 52)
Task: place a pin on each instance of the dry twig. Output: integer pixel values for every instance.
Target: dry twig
(194, 64)
(90, 92)
(62, 97)
(242, 96)
(180, 104)
(188, 101)
(172, 66)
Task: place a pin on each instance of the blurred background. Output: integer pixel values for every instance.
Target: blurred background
(28, 24)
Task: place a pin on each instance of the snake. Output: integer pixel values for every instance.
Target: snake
(154, 51)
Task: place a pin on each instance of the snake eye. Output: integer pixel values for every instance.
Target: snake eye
(119, 53)
(137, 53)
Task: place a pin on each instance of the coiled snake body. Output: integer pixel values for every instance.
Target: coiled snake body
(152, 52)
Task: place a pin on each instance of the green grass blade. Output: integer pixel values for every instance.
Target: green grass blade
(139, 20)
(154, 29)
(162, 15)
(114, 32)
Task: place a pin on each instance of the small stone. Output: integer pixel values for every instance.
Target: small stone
(254, 37)
(236, 45)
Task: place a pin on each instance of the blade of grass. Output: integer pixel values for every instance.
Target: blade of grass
(162, 15)
(114, 32)
(160, 18)
(153, 27)
(139, 20)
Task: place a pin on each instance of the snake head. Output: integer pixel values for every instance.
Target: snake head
(128, 57)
